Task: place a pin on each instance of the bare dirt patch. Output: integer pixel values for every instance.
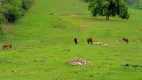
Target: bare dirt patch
(79, 61)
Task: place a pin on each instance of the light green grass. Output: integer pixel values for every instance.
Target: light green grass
(43, 43)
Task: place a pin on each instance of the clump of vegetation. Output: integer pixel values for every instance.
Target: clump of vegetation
(26, 4)
(14, 9)
(109, 8)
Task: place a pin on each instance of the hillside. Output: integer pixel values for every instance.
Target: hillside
(43, 42)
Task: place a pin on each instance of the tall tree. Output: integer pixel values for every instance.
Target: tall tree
(109, 8)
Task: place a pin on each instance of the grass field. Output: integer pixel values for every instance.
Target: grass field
(43, 43)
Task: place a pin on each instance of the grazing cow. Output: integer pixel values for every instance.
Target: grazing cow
(75, 40)
(7, 46)
(89, 40)
(125, 40)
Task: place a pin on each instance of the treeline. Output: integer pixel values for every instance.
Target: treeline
(137, 3)
(11, 10)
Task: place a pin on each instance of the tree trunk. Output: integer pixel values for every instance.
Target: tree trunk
(107, 17)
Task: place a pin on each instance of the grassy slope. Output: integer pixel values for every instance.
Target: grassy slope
(43, 43)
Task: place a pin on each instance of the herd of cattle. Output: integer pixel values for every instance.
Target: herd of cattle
(89, 41)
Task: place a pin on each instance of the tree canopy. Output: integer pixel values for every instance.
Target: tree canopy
(109, 8)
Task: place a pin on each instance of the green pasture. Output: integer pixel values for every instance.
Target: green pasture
(43, 43)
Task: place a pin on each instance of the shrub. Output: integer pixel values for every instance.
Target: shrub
(14, 9)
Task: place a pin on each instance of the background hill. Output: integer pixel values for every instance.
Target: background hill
(43, 42)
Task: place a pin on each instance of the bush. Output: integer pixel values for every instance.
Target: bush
(14, 9)
(26, 4)
(10, 12)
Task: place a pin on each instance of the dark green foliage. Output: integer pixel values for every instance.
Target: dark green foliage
(10, 12)
(87, 0)
(123, 10)
(26, 4)
(109, 8)
(14, 9)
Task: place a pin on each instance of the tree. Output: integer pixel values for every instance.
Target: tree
(109, 8)
(10, 12)
(14, 9)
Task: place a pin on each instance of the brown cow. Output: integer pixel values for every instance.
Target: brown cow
(125, 40)
(75, 40)
(7, 46)
(89, 40)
